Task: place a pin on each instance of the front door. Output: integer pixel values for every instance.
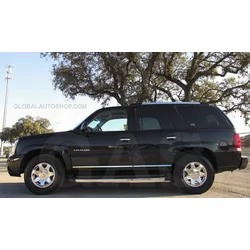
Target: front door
(155, 140)
(105, 150)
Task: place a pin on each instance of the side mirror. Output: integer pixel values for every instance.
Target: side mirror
(84, 127)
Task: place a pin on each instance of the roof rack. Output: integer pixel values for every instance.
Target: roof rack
(137, 103)
(147, 103)
(155, 103)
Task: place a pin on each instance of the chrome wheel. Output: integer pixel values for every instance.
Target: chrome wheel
(43, 175)
(194, 174)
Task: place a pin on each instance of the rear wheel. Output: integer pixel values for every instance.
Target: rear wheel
(44, 174)
(193, 174)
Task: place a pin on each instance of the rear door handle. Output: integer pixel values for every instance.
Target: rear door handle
(170, 137)
(125, 139)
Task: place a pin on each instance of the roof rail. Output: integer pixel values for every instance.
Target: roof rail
(147, 103)
(137, 103)
(153, 103)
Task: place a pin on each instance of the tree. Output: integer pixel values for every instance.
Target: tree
(219, 78)
(24, 127)
(6, 135)
(5, 149)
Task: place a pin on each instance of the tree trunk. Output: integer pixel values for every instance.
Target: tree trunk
(187, 96)
(187, 91)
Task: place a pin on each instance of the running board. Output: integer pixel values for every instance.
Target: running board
(122, 180)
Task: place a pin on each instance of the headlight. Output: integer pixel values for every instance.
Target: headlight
(14, 148)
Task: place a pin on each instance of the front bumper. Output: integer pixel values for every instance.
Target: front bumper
(14, 165)
(244, 162)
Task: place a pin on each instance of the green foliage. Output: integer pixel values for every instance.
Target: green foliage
(219, 78)
(6, 135)
(24, 127)
(5, 149)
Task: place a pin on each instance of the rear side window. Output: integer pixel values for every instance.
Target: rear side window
(149, 123)
(202, 117)
(155, 117)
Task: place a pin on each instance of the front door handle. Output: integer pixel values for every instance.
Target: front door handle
(170, 137)
(125, 139)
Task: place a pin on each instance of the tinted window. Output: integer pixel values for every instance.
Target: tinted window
(115, 125)
(149, 123)
(109, 120)
(201, 117)
(155, 117)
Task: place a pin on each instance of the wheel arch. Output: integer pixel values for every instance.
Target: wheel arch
(207, 153)
(35, 152)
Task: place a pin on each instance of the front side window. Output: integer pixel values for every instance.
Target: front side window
(109, 120)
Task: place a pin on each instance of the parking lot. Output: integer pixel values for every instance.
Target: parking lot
(229, 184)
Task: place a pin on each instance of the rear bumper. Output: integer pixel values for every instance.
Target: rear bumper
(243, 162)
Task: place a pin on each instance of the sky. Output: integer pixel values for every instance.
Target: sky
(32, 86)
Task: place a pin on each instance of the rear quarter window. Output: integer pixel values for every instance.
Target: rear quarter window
(202, 117)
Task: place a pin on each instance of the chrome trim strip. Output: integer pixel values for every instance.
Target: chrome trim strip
(124, 166)
(125, 139)
(170, 137)
(122, 180)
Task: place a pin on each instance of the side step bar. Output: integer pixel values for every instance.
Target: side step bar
(122, 180)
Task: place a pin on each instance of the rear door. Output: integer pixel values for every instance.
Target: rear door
(155, 139)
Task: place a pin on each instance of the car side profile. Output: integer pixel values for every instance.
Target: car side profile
(184, 143)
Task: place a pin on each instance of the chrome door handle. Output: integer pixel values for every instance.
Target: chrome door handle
(125, 139)
(171, 138)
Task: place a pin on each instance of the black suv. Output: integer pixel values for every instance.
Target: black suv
(185, 143)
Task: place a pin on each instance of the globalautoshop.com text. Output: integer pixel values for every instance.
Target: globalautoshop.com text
(50, 106)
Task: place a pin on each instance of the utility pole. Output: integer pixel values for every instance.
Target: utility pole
(7, 78)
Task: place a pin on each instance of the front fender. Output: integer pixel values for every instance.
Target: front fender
(30, 151)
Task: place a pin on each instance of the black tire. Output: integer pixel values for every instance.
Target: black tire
(68, 183)
(178, 178)
(58, 179)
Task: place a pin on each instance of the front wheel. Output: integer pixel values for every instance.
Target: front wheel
(44, 174)
(194, 174)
